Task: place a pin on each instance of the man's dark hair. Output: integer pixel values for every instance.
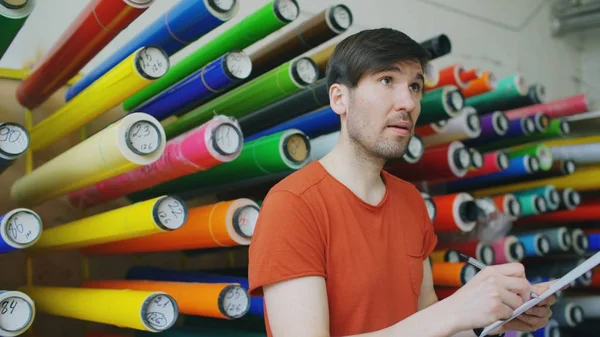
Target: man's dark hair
(371, 51)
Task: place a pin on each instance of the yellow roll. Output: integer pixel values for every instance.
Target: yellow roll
(135, 309)
(137, 139)
(585, 179)
(321, 57)
(573, 141)
(161, 214)
(134, 73)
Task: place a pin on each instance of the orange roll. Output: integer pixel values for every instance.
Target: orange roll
(452, 274)
(487, 82)
(456, 212)
(451, 76)
(223, 224)
(469, 75)
(508, 204)
(445, 255)
(443, 292)
(219, 300)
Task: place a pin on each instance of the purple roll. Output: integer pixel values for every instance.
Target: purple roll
(494, 124)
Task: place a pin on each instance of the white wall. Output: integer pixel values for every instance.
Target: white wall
(503, 36)
(590, 67)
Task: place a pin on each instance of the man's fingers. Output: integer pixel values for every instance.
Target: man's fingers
(518, 285)
(509, 269)
(511, 299)
(537, 311)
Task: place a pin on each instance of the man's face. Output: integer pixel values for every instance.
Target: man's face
(382, 110)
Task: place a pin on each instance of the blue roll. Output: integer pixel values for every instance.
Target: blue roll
(518, 166)
(593, 242)
(14, 142)
(313, 124)
(516, 128)
(20, 228)
(200, 86)
(160, 274)
(181, 25)
(534, 244)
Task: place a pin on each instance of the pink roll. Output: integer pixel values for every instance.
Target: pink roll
(508, 249)
(217, 141)
(554, 109)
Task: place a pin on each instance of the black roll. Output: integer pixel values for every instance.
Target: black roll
(438, 46)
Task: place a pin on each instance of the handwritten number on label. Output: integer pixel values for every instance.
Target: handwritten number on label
(9, 135)
(156, 319)
(16, 228)
(6, 307)
(175, 209)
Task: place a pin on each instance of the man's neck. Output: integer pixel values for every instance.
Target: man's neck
(357, 171)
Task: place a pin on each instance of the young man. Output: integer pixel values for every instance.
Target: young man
(341, 246)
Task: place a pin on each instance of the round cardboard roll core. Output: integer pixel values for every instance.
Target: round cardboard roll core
(340, 17)
(305, 71)
(455, 100)
(543, 245)
(221, 6)
(13, 4)
(503, 161)
(244, 220)
(462, 158)
(540, 204)
(514, 208)
(488, 256)
(286, 10)
(467, 273)
(238, 65)
(516, 250)
(468, 211)
(227, 139)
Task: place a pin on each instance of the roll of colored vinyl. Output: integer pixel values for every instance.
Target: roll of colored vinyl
(579, 241)
(439, 104)
(594, 242)
(452, 274)
(567, 313)
(414, 150)
(20, 228)
(493, 162)
(507, 88)
(536, 94)
(213, 143)
(451, 76)
(218, 300)
(583, 213)
(534, 244)
(283, 151)
(135, 140)
(508, 204)
(581, 154)
(444, 292)
(455, 213)
(254, 27)
(201, 331)
(437, 46)
(430, 205)
(94, 28)
(138, 272)
(135, 72)
(432, 76)
(99, 333)
(180, 25)
(14, 142)
(162, 214)
(560, 239)
(140, 310)
(569, 199)
(508, 249)
(321, 58)
(476, 159)
(540, 151)
(445, 255)
(549, 330)
(309, 34)
(469, 75)
(199, 87)
(585, 125)
(491, 141)
(548, 192)
(438, 162)
(554, 268)
(494, 124)
(532, 204)
(224, 224)
(485, 83)
(465, 125)
(17, 313)
(277, 84)
(309, 99)
(312, 124)
(12, 19)
(556, 129)
(554, 109)
(481, 251)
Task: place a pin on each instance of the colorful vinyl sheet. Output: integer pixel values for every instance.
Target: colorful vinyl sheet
(277, 84)
(313, 124)
(439, 104)
(583, 213)
(135, 140)
(451, 76)
(508, 204)
(588, 303)
(567, 313)
(515, 129)
(593, 242)
(554, 109)
(470, 75)
(532, 205)
(554, 268)
(309, 34)
(475, 248)
(224, 224)
(140, 310)
(485, 83)
(199, 87)
(161, 274)
(20, 228)
(569, 199)
(94, 28)
(452, 274)
(272, 16)
(18, 313)
(276, 153)
(534, 244)
(464, 126)
(213, 143)
(180, 25)
(445, 255)
(14, 142)
(309, 99)
(493, 124)
(12, 20)
(493, 162)
(135, 72)
(560, 239)
(536, 94)
(581, 154)
(507, 88)
(437, 46)
(455, 213)
(162, 214)
(218, 300)
(548, 192)
(540, 151)
(508, 249)
(584, 124)
(321, 58)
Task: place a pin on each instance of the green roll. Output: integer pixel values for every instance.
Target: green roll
(266, 20)
(548, 192)
(12, 19)
(508, 88)
(200, 332)
(440, 104)
(282, 151)
(557, 128)
(531, 204)
(541, 151)
(278, 83)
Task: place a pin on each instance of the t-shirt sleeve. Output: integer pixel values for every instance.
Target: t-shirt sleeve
(430, 240)
(287, 242)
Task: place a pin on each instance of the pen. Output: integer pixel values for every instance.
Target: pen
(481, 266)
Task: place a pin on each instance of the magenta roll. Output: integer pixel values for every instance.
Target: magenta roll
(554, 109)
(217, 141)
(508, 249)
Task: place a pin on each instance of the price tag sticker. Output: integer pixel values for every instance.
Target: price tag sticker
(143, 138)
(288, 9)
(13, 139)
(296, 148)
(23, 227)
(152, 62)
(227, 139)
(246, 220)
(306, 70)
(342, 17)
(235, 302)
(15, 314)
(239, 64)
(161, 312)
(171, 213)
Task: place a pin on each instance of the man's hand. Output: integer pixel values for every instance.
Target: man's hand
(536, 317)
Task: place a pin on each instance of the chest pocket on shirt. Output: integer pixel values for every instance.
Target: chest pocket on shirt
(413, 243)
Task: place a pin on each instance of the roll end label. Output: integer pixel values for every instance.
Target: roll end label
(222, 5)
(143, 138)
(235, 302)
(15, 314)
(239, 65)
(227, 139)
(171, 213)
(23, 228)
(296, 148)
(161, 312)
(152, 62)
(14, 140)
(245, 221)
(287, 10)
(306, 70)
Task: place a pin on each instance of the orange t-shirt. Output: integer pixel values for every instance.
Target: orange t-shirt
(371, 256)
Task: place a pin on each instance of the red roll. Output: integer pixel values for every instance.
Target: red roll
(97, 25)
(493, 162)
(469, 75)
(451, 76)
(427, 130)
(583, 213)
(481, 251)
(554, 109)
(445, 292)
(508, 204)
(455, 213)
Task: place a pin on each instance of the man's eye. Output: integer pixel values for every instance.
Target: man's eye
(415, 87)
(386, 80)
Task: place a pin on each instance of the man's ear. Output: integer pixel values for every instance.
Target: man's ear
(338, 98)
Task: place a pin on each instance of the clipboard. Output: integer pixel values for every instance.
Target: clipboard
(556, 286)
